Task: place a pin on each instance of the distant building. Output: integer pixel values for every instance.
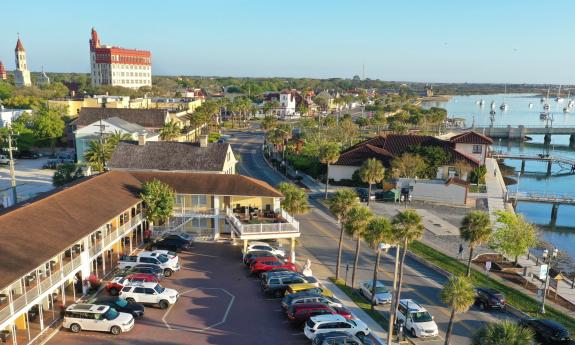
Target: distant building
(2, 72)
(43, 79)
(9, 115)
(287, 101)
(118, 66)
(21, 74)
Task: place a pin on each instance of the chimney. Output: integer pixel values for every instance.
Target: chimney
(203, 141)
(142, 138)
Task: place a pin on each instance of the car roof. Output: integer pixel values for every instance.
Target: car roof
(328, 318)
(412, 305)
(88, 307)
(488, 290)
(378, 283)
(334, 334)
(142, 284)
(257, 243)
(552, 324)
(311, 306)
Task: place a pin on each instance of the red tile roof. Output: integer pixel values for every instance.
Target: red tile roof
(19, 46)
(471, 137)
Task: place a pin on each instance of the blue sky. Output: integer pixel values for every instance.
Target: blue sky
(419, 40)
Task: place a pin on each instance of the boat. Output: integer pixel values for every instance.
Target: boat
(481, 102)
(492, 112)
(492, 104)
(546, 105)
(543, 115)
(566, 110)
(503, 105)
(559, 98)
(530, 105)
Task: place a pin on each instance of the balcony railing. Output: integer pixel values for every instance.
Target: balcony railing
(119, 232)
(290, 226)
(195, 211)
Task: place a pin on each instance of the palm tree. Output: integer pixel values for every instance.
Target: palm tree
(355, 225)
(328, 154)
(341, 202)
(113, 139)
(503, 333)
(269, 122)
(170, 131)
(407, 228)
(295, 200)
(371, 171)
(459, 295)
(475, 229)
(379, 230)
(97, 155)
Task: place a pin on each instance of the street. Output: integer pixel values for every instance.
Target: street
(319, 241)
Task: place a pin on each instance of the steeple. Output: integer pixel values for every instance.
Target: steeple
(95, 40)
(2, 71)
(19, 45)
(21, 74)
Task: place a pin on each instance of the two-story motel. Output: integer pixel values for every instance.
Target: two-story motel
(53, 243)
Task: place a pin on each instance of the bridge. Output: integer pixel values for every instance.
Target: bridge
(555, 199)
(520, 132)
(562, 161)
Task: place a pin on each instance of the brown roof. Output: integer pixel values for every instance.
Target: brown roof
(34, 232)
(169, 156)
(386, 147)
(19, 46)
(471, 137)
(149, 118)
(214, 184)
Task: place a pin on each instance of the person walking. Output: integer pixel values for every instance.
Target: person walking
(460, 253)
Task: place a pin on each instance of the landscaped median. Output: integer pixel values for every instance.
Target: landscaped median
(515, 298)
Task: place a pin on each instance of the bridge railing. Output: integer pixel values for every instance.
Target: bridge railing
(517, 126)
(543, 196)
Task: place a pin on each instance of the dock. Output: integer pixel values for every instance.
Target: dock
(550, 159)
(521, 132)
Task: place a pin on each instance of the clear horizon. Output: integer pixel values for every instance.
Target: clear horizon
(515, 42)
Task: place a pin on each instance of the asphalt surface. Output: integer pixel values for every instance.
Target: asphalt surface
(319, 238)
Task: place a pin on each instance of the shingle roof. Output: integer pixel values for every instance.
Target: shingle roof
(216, 184)
(386, 147)
(148, 118)
(125, 125)
(34, 232)
(471, 137)
(169, 156)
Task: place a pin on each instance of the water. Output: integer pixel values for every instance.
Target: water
(534, 179)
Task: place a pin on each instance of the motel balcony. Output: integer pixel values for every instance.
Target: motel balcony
(251, 224)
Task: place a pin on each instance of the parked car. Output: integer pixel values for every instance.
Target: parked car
(277, 285)
(363, 194)
(27, 155)
(548, 332)
(300, 313)
(143, 268)
(416, 319)
(117, 283)
(339, 338)
(179, 235)
(94, 317)
(168, 265)
(149, 293)
(310, 298)
(173, 243)
(121, 305)
(251, 256)
(263, 265)
(487, 298)
(312, 286)
(382, 294)
(276, 271)
(4, 160)
(328, 323)
(263, 246)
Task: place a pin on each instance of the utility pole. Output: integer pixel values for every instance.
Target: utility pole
(11, 163)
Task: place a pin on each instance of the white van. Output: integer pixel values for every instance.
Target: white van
(416, 319)
(4, 160)
(94, 317)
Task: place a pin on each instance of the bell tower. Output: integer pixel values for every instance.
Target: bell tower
(21, 74)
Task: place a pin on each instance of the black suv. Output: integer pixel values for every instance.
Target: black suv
(548, 332)
(173, 243)
(486, 298)
(121, 305)
(340, 338)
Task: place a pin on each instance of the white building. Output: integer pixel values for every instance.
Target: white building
(7, 116)
(21, 74)
(118, 66)
(43, 79)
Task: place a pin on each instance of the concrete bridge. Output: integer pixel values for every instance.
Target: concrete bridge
(563, 161)
(554, 199)
(520, 132)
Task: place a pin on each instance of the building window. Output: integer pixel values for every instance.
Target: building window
(199, 200)
(477, 148)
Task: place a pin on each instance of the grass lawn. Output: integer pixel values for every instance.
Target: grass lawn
(518, 299)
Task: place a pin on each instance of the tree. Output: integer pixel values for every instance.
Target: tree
(66, 173)
(97, 154)
(463, 169)
(503, 333)
(433, 156)
(114, 139)
(407, 165)
(515, 235)
(340, 204)
(355, 225)
(269, 122)
(475, 229)
(159, 199)
(407, 228)
(48, 125)
(379, 231)
(371, 171)
(459, 295)
(328, 154)
(295, 200)
(170, 131)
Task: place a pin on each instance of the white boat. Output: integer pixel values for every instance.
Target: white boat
(543, 115)
(481, 102)
(566, 110)
(571, 104)
(492, 112)
(503, 105)
(546, 106)
(559, 98)
(530, 105)
(492, 104)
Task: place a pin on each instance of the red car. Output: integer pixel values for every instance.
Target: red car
(300, 313)
(117, 283)
(266, 264)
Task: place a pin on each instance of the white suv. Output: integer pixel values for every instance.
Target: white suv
(416, 319)
(93, 317)
(149, 293)
(167, 262)
(262, 246)
(332, 323)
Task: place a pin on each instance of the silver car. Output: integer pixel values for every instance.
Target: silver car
(382, 294)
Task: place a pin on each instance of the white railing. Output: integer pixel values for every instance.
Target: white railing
(549, 197)
(115, 234)
(195, 211)
(291, 225)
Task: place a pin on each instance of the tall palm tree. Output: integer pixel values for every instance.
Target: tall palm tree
(340, 204)
(356, 223)
(371, 171)
(113, 139)
(170, 131)
(475, 229)
(295, 199)
(328, 154)
(379, 231)
(97, 154)
(503, 333)
(459, 295)
(407, 228)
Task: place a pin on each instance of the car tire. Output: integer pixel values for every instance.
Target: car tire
(360, 335)
(113, 292)
(164, 304)
(278, 293)
(482, 306)
(75, 328)
(167, 272)
(130, 300)
(115, 330)
(413, 334)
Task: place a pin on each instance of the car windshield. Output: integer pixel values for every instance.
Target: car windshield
(159, 288)
(111, 314)
(163, 258)
(421, 316)
(381, 289)
(121, 303)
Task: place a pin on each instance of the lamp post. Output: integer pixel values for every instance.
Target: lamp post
(548, 259)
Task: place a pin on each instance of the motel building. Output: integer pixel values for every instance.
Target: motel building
(54, 242)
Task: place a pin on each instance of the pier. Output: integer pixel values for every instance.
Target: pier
(521, 132)
(554, 199)
(563, 161)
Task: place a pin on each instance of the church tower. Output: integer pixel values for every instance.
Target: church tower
(21, 74)
(2, 72)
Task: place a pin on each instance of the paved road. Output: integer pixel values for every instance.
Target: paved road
(320, 239)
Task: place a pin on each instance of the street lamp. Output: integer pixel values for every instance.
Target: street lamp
(548, 259)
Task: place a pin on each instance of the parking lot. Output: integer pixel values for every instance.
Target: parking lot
(219, 304)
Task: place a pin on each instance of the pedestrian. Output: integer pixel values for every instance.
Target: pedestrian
(460, 253)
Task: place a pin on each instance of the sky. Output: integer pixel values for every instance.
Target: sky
(503, 41)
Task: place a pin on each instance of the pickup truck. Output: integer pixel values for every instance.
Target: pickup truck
(167, 262)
